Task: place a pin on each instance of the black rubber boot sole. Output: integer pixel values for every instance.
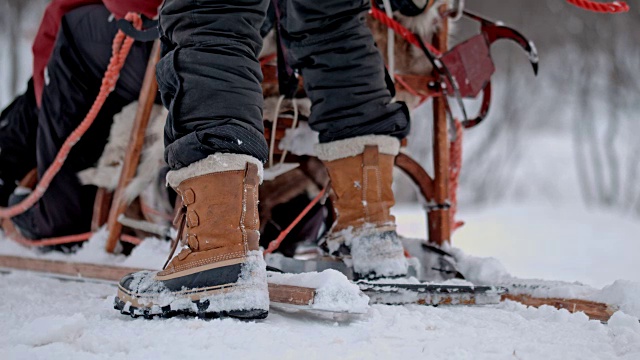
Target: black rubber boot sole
(202, 313)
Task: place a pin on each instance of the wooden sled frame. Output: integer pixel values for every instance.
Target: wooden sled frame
(109, 207)
(434, 190)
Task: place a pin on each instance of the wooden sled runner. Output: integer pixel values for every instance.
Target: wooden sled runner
(287, 295)
(278, 294)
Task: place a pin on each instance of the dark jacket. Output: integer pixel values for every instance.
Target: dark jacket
(46, 36)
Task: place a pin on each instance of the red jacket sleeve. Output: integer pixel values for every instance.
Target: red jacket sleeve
(46, 38)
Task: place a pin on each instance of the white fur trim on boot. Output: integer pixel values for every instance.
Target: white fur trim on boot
(217, 162)
(341, 149)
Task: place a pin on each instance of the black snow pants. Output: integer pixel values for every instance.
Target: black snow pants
(209, 75)
(73, 77)
(18, 125)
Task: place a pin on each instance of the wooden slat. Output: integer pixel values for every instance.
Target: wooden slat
(292, 295)
(417, 174)
(419, 83)
(134, 150)
(284, 294)
(594, 310)
(101, 208)
(439, 226)
(92, 271)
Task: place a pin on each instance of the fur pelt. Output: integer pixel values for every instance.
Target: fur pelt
(341, 149)
(408, 58)
(215, 163)
(107, 172)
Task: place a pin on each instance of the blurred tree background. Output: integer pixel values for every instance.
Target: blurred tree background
(568, 135)
(19, 21)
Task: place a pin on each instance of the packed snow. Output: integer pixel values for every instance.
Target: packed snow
(334, 292)
(551, 242)
(544, 251)
(150, 254)
(250, 294)
(51, 318)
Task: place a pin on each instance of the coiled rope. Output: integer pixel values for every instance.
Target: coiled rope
(119, 51)
(614, 7)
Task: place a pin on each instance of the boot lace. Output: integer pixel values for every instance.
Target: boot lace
(180, 221)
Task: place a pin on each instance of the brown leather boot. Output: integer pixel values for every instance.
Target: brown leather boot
(219, 271)
(361, 171)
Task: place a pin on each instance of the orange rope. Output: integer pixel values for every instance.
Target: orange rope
(52, 241)
(273, 245)
(455, 166)
(68, 239)
(130, 239)
(611, 7)
(401, 30)
(410, 89)
(146, 209)
(120, 49)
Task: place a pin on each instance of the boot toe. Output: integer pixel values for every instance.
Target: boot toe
(141, 282)
(126, 281)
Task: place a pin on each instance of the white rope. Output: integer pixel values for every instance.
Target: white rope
(390, 42)
(294, 102)
(274, 126)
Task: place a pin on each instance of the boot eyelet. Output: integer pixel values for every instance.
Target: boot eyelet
(183, 254)
(192, 241)
(188, 197)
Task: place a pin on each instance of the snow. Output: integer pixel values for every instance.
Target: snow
(300, 141)
(541, 241)
(334, 292)
(48, 321)
(381, 255)
(150, 254)
(276, 170)
(65, 319)
(579, 253)
(624, 293)
(250, 293)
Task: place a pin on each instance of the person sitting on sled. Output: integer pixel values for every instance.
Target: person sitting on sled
(71, 53)
(209, 78)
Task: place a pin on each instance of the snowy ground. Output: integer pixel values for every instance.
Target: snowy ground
(50, 320)
(559, 242)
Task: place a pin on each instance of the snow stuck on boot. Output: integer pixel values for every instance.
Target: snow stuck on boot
(250, 292)
(373, 254)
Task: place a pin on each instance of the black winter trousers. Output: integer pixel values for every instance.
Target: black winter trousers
(74, 75)
(18, 126)
(209, 75)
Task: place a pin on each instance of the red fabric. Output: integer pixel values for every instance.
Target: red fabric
(46, 36)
